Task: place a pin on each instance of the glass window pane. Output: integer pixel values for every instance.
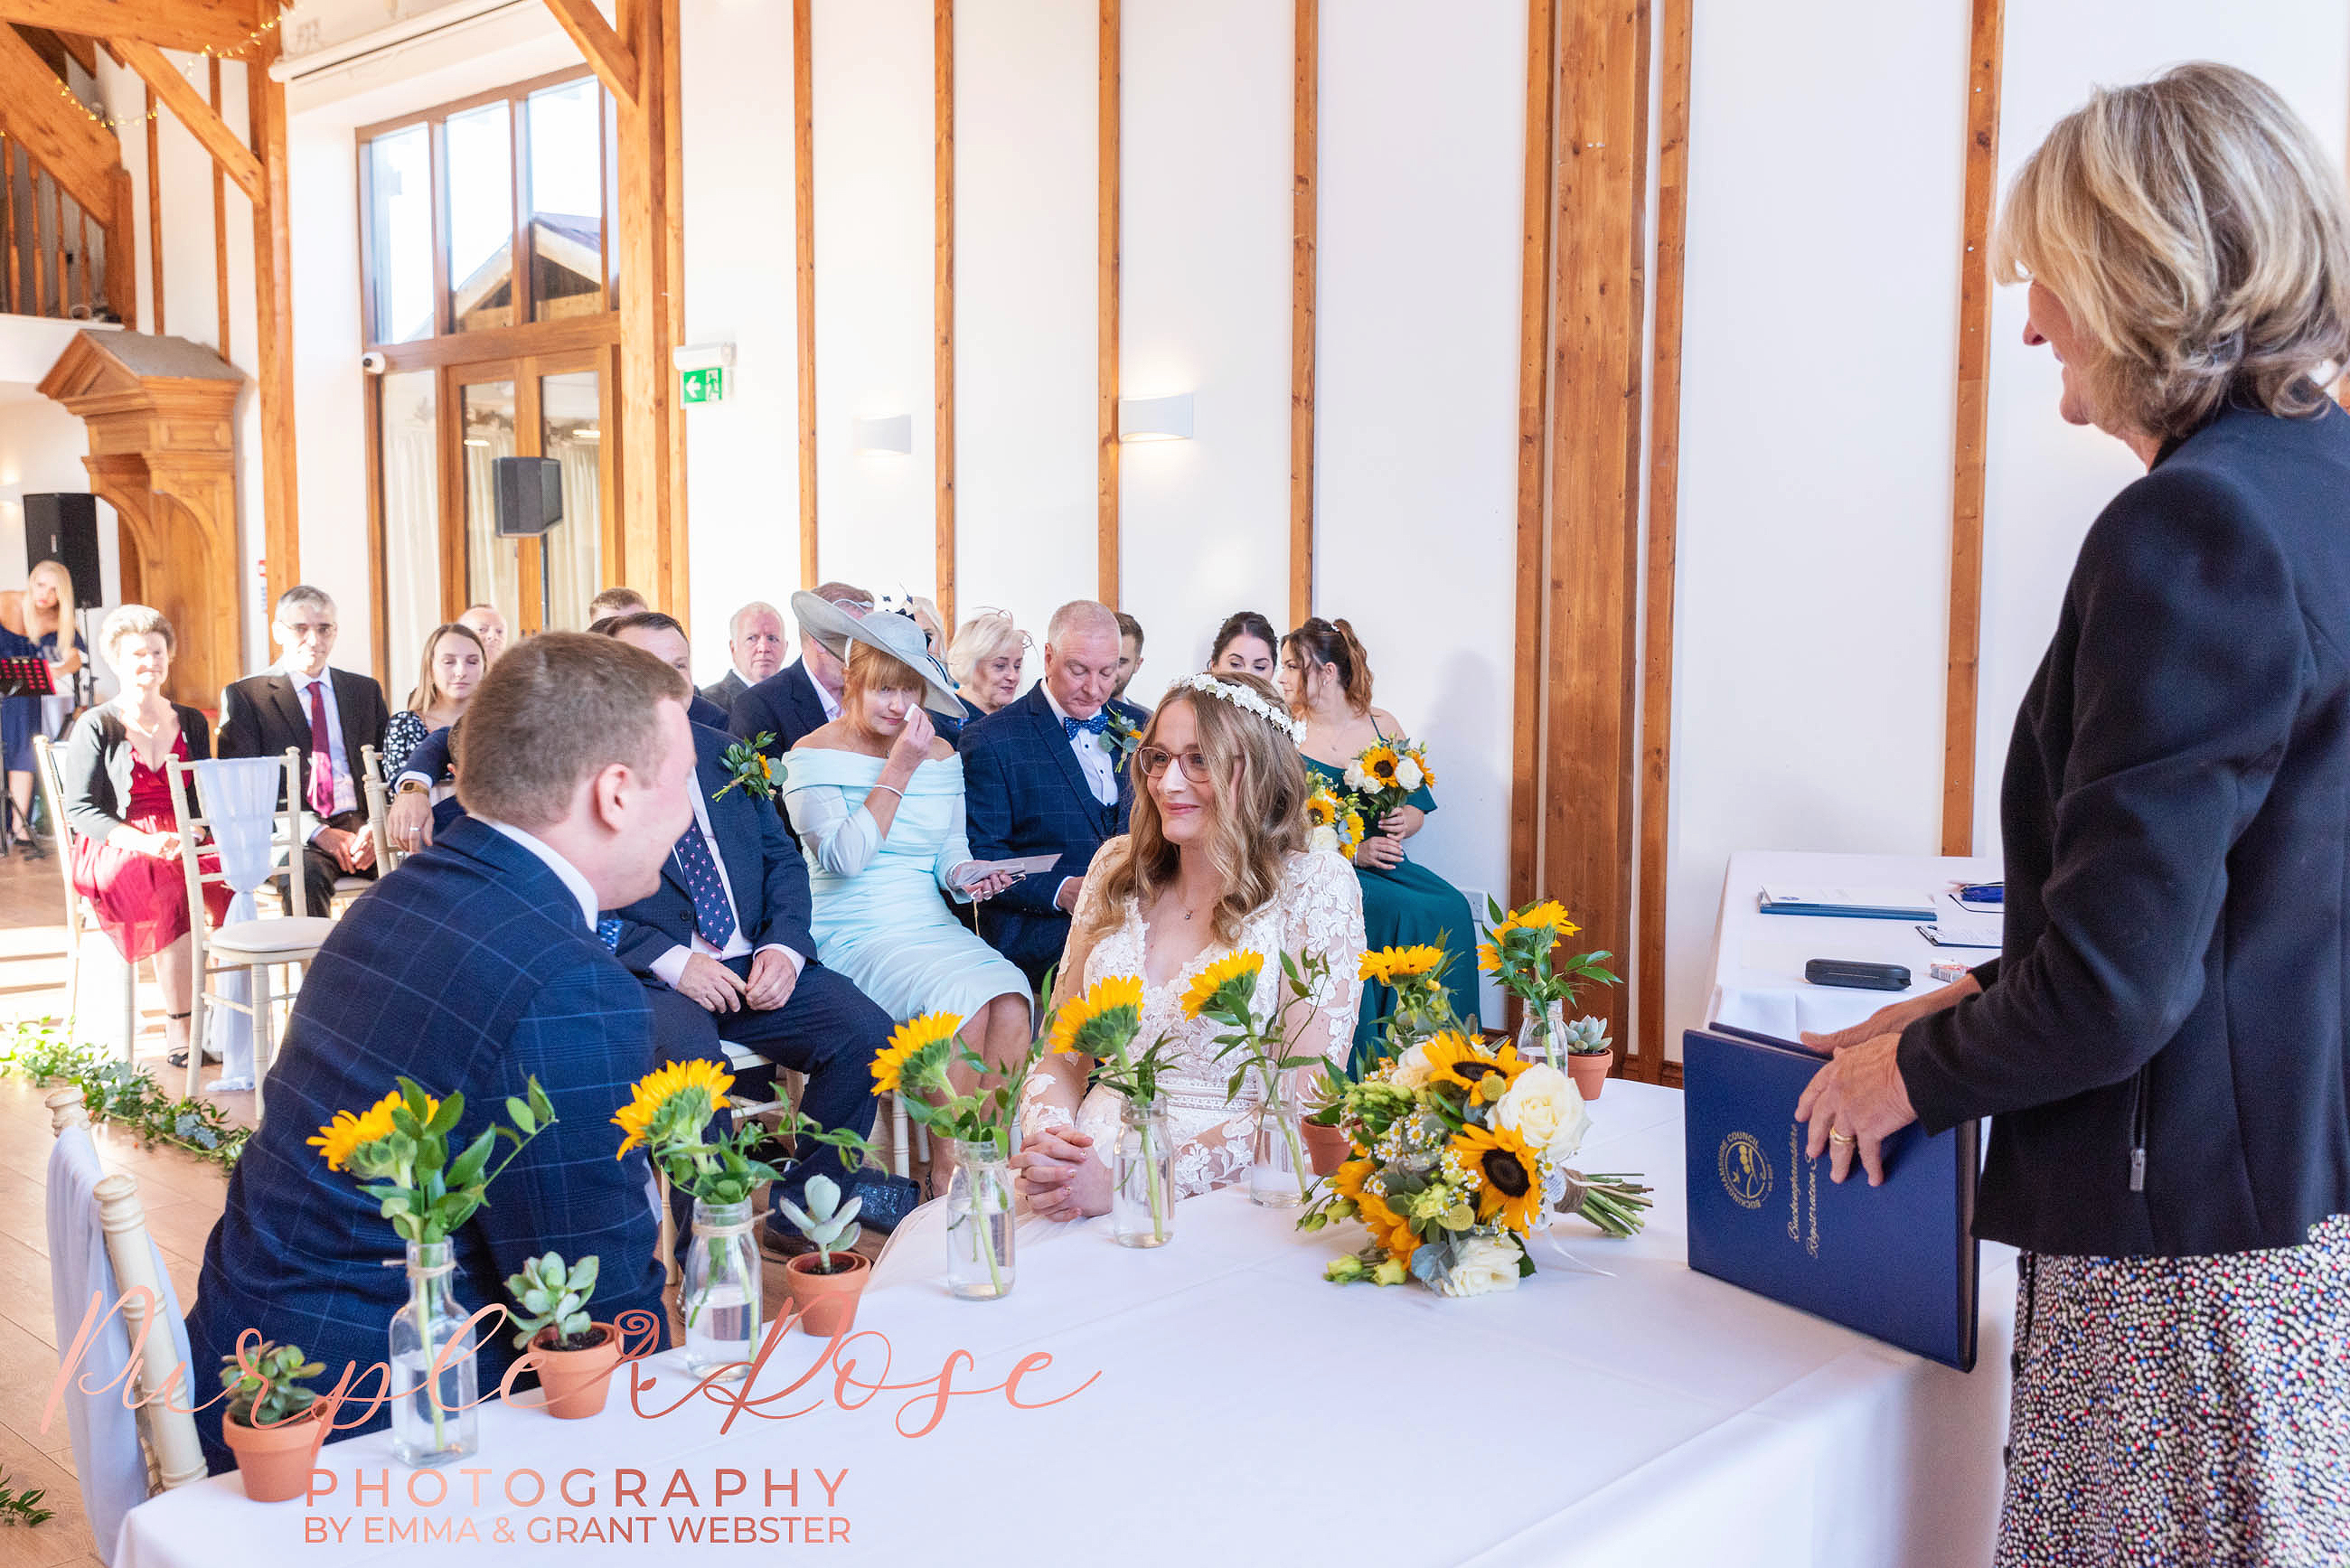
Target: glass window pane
(410, 437)
(571, 433)
(399, 227)
(566, 197)
(492, 573)
(480, 217)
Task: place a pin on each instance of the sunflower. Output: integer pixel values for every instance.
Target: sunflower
(1105, 1015)
(1227, 983)
(1550, 915)
(1388, 1229)
(1454, 1058)
(339, 1138)
(1322, 808)
(1351, 838)
(1427, 773)
(1379, 763)
(1509, 1188)
(658, 1089)
(907, 1041)
(1393, 966)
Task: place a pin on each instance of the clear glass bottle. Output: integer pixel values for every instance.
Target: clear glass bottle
(721, 1297)
(1142, 1203)
(1281, 1175)
(1542, 1036)
(979, 1222)
(432, 1417)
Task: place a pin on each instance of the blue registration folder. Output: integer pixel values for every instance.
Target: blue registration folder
(1896, 1263)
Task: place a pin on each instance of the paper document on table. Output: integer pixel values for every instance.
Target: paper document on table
(1847, 903)
(1965, 933)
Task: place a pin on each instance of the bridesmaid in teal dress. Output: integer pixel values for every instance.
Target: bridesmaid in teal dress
(877, 800)
(1327, 678)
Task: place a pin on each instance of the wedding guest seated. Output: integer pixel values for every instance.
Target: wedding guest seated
(615, 602)
(1217, 864)
(1130, 659)
(660, 636)
(327, 715)
(488, 623)
(985, 659)
(35, 622)
(472, 970)
(924, 613)
(725, 953)
(1326, 677)
(1245, 644)
(455, 659)
(877, 802)
(805, 694)
(415, 813)
(1043, 778)
(117, 795)
(754, 645)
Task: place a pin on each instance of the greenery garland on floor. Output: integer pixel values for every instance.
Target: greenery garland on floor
(118, 1092)
(21, 1507)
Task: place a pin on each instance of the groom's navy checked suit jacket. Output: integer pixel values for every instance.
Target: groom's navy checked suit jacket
(470, 967)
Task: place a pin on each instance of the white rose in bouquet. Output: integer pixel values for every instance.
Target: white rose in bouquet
(1408, 774)
(1544, 1109)
(1325, 838)
(1356, 779)
(1487, 1263)
(1412, 1069)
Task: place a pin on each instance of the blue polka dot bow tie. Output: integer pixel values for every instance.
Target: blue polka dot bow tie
(1093, 726)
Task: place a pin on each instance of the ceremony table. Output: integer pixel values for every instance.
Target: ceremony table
(1220, 1403)
(1758, 959)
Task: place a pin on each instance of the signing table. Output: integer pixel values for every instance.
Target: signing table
(1224, 1406)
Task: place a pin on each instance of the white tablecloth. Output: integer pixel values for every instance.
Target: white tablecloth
(1758, 959)
(1247, 1413)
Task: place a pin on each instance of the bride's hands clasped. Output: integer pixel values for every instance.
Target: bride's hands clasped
(1059, 1175)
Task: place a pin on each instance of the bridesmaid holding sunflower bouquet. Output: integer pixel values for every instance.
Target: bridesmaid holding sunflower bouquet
(1327, 678)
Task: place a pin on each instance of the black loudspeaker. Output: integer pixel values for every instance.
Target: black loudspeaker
(530, 496)
(63, 527)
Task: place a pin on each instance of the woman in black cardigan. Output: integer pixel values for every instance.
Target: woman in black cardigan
(2163, 1039)
(126, 852)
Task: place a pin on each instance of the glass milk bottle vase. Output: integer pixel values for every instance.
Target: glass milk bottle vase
(1542, 1036)
(720, 1296)
(432, 1378)
(1280, 1176)
(1142, 1203)
(979, 1222)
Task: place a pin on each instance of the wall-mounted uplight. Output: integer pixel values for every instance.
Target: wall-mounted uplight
(891, 433)
(1155, 419)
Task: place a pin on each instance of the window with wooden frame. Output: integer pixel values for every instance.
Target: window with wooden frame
(489, 284)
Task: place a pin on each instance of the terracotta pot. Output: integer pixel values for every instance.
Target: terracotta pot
(1325, 1147)
(575, 1381)
(274, 1460)
(1589, 1071)
(827, 1302)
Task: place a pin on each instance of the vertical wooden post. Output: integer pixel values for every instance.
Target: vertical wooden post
(1534, 401)
(1109, 551)
(1305, 72)
(648, 392)
(33, 177)
(942, 389)
(220, 222)
(273, 316)
(8, 216)
(804, 245)
(123, 252)
(154, 215)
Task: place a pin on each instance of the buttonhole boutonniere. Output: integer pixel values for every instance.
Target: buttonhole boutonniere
(754, 770)
(1121, 732)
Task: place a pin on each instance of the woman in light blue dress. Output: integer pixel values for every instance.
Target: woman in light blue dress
(877, 801)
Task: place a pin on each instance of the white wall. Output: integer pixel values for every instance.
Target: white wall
(41, 449)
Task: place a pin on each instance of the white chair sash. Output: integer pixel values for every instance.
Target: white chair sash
(108, 1461)
(238, 796)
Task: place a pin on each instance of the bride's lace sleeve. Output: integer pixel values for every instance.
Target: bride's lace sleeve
(1322, 913)
(1050, 1096)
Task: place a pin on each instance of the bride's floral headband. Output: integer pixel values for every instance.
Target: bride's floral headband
(1242, 698)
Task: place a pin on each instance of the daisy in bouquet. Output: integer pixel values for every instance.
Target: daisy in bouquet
(1333, 821)
(1459, 1152)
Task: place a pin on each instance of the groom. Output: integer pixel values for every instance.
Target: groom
(1047, 775)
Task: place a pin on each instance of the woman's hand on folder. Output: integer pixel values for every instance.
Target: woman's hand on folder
(1893, 1018)
(1853, 1104)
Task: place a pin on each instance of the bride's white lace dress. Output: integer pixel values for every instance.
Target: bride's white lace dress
(1318, 910)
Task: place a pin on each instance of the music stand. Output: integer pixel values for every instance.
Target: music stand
(26, 676)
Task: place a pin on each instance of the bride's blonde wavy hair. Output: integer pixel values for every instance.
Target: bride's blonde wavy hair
(1256, 812)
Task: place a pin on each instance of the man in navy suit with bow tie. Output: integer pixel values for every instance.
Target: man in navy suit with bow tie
(723, 950)
(1047, 774)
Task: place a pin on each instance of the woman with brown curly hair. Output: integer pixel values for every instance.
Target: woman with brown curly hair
(1216, 863)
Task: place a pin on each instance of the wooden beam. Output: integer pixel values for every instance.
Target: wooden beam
(49, 46)
(1305, 70)
(677, 542)
(1959, 690)
(121, 275)
(804, 248)
(203, 120)
(647, 404)
(220, 228)
(273, 272)
(1110, 551)
(615, 65)
(1589, 663)
(8, 221)
(1664, 526)
(1534, 401)
(55, 131)
(942, 299)
(154, 216)
(220, 25)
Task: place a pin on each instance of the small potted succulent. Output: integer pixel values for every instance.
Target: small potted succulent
(273, 1423)
(1589, 1055)
(1327, 1142)
(825, 1284)
(574, 1355)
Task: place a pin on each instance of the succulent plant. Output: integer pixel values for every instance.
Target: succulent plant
(826, 1220)
(267, 1388)
(553, 1296)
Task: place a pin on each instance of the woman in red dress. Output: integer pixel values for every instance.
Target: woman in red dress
(118, 799)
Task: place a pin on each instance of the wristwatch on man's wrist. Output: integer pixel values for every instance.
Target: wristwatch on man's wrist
(412, 786)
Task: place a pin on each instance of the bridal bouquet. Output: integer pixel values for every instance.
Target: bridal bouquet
(1387, 774)
(1333, 821)
(1459, 1151)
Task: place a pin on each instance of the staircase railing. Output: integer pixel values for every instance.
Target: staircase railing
(56, 251)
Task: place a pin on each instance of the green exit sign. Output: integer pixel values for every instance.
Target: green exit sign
(703, 386)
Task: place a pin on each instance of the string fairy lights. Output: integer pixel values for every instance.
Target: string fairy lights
(115, 123)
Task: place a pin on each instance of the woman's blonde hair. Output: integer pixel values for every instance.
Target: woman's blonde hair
(1256, 815)
(982, 638)
(2198, 239)
(62, 625)
(125, 621)
(872, 670)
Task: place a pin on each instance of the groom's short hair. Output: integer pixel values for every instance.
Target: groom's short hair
(554, 709)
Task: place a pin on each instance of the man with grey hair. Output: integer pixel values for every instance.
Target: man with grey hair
(326, 714)
(755, 643)
(1046, 775)
(803, 695)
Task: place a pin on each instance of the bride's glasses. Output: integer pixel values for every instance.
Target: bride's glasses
(1153, 761)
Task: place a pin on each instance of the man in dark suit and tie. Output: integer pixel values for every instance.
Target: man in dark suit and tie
(327, 715)
(805, 694)
(473, 969)
(754, 647)
(1046, 775)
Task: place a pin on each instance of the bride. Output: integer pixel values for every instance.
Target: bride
(1216, 862)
